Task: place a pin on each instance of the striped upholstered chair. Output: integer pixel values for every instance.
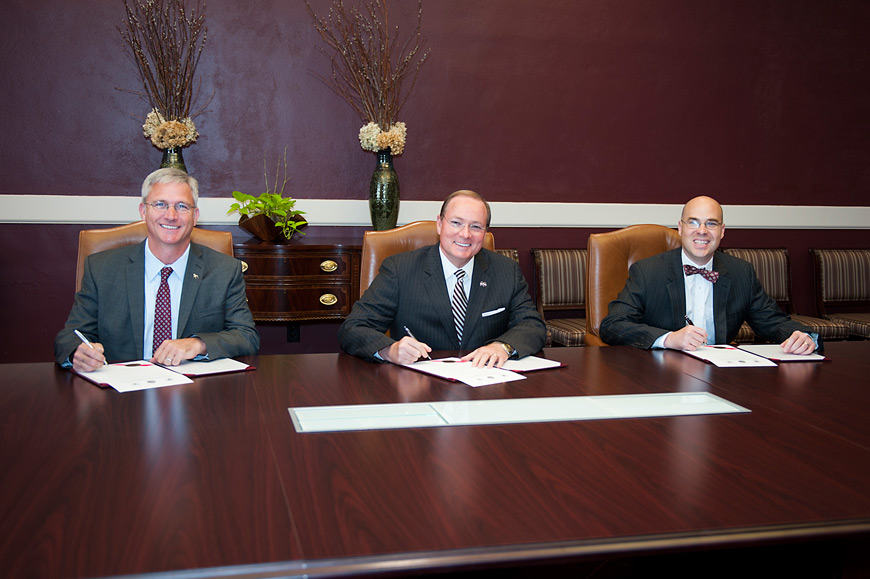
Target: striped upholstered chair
(510, 252)
(843, 287)
(560, 279)
(772, 268)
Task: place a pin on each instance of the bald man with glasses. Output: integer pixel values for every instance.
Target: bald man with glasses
(694, 295)
(165, 299)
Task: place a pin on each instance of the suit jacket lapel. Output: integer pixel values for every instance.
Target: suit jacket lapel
(721, 292)
(190, 286)
(436, 290)
(677, 289)
(135, 279)
(477, 297)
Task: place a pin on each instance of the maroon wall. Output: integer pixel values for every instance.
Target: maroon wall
(754, 102)
(567, 100)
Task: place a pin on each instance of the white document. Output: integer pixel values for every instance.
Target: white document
(455, 369)
(729, 357)
(508, 411)
(203, 368)
(774, 352)
(530, 364)
(137, 375)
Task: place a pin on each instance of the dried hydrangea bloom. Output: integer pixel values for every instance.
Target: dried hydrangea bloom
(372, 138)
(368, 136)
(165, 134)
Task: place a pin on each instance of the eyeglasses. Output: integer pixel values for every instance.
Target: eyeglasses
(474, 227)
(163, 207)
(693, 223)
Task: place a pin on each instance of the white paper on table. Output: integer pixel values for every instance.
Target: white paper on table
(136, 375)
(454, 369)
(774, 352)
(530, 364)
(203, 368)
(728, 357)
(507, 411)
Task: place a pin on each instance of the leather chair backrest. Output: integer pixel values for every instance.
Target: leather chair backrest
(96, 240)
(378, 245)
(609, 257)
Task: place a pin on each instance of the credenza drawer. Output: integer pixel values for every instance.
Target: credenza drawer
(287, 282)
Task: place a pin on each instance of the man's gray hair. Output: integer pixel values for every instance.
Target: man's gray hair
(170, 175)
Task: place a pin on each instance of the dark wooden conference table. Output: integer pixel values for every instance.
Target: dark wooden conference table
(210, 479)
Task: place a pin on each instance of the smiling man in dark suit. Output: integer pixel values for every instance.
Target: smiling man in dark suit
(427, 292)
(165, 299)
(694, 295)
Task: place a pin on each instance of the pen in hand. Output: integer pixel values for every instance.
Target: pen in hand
(91, 346)
(689, 321)
(415, 337)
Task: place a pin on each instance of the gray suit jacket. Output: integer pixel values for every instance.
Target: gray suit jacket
(110, 307)
(653, 302)
(410, 290)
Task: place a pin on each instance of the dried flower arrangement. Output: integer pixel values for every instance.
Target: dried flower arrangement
(369, 66)
(165, 40)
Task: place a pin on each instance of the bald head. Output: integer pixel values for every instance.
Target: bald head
(701, 229)
(703, 204)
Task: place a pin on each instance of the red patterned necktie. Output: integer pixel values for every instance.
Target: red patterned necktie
(710, 276)
(162, 311)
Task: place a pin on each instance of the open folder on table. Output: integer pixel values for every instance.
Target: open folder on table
(774, 352)
(458, 371)
(142, 375)
(748, 356)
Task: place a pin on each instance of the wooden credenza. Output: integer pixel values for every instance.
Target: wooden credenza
(295, 282)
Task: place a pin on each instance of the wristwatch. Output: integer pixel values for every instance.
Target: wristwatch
(507, 348)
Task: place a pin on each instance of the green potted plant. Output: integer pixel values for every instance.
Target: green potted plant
(269, 215)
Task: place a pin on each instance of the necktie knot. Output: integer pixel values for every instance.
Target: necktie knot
(710, 276)
(165, 273)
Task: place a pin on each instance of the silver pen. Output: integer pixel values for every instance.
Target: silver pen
(91, 346)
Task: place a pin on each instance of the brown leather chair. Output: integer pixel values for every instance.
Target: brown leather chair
(96, 240)
(378, 245)
(609, 256)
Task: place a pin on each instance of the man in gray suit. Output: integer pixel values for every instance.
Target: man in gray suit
(165, 299)
(426, 292)
(691, 296)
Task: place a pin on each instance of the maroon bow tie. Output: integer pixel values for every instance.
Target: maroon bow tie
(710, 276)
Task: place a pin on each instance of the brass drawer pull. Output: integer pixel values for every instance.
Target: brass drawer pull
(328, 300)
(244, 265)
(328, 266)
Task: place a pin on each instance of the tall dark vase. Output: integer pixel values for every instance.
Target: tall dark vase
(172, 158)
(384, 193)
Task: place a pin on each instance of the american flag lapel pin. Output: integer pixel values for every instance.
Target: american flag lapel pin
(483, 284)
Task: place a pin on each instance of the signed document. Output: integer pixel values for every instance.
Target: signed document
(137, 375)
(458, 371)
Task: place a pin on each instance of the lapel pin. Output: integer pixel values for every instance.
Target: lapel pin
(195, 276)
(483, 284)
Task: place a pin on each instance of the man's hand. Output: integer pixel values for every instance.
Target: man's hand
(687, 338)
(798, 343)
(405, 351)
(491, 355)
(88, 359)
(174, 352)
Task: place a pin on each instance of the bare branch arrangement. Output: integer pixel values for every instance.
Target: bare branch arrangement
(370, 65)
(165, 40)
